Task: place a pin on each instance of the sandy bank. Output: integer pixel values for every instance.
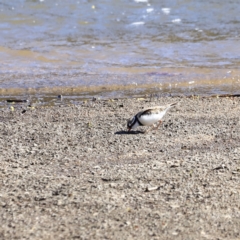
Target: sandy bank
(73, 172)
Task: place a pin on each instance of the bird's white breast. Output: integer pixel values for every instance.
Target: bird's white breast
(149, 119)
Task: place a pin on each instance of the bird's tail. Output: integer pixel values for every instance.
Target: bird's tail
(173, 104)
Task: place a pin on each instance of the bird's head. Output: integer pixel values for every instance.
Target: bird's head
(130, 123)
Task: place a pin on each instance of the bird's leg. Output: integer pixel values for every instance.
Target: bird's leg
(159, 123)
(148, 130)
(153, 127)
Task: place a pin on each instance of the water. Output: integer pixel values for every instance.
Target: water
(119, 47)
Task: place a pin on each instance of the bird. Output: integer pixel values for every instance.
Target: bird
(149, 117)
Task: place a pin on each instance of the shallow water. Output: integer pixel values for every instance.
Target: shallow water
(119, 48)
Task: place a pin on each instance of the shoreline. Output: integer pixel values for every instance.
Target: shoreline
(72, 171)
(162, 81)
(25, 102)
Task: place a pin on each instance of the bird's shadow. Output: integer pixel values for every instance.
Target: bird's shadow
(129, 132)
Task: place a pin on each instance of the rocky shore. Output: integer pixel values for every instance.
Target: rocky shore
(74, 172)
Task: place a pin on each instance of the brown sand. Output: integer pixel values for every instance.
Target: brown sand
(73, 172)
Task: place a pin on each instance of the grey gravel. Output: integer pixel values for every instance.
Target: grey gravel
(73, 172)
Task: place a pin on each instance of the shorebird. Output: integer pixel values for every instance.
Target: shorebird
(149, 117)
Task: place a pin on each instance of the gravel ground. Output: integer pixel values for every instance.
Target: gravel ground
(73, 172)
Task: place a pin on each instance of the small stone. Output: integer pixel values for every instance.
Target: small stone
(149, 189)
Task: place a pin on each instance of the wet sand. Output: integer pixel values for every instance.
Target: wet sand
(73, 172)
